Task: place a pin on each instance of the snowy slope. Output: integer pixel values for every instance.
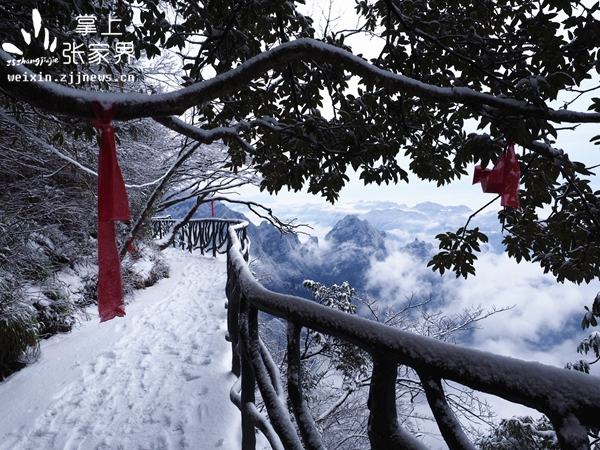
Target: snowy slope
(158, 378)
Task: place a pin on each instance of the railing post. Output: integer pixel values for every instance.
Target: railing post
(275, 405)
(306, 425)
(214, 239)
(248, 386)
(448, 424)
(384, 431)
(232, 291)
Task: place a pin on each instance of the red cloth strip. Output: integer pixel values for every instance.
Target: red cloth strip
(110, 284)
(503, 179)
(113, 205)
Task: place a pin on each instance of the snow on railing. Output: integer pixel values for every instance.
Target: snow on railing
(198, 234)
(571, 400)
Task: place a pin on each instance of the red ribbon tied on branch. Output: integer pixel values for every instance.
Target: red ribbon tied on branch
(503, 179)
(113, 205)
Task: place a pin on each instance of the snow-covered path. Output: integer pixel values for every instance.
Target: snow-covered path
(157, 378)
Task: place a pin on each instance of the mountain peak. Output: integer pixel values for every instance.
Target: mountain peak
(351, 229)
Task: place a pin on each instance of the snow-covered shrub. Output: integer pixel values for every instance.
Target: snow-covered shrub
(144, 267)
(521, 433)
(18, 326)
(35, 253)
(55, 311)
(350, 361)
(88, 293)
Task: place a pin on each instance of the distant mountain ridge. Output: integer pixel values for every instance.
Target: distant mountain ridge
(399, 221)
(355, 241)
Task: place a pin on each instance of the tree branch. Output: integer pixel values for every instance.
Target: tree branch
(207, 136)
(284, 227)
(63, 100)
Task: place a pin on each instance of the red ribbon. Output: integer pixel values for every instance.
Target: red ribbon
(113, 205)
(503, 179)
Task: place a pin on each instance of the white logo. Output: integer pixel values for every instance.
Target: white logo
(73, 53)
(37, 25)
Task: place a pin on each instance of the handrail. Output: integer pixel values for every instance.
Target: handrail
(571, 400)
(198, 234)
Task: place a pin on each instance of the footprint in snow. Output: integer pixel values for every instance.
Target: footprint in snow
(110, 354)
(190, 376)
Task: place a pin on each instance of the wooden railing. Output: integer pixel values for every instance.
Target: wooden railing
(571, 400)
(205, 235)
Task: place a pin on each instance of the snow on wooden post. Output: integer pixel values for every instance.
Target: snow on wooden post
(271, 393)
(248, 382)
(385, 432)
(304, 420)
(449, 425)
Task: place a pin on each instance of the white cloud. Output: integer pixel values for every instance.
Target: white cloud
(398, 277)
(543, 325)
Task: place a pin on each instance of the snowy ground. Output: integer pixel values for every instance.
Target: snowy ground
(158, 378)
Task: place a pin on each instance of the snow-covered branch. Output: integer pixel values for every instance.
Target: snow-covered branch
(29, 87)
(207, 136)
(48, 146)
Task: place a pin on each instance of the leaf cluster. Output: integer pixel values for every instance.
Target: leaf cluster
(457, 251)
(521, 433)
(307, 123)
(566, 242)
(351, 362)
